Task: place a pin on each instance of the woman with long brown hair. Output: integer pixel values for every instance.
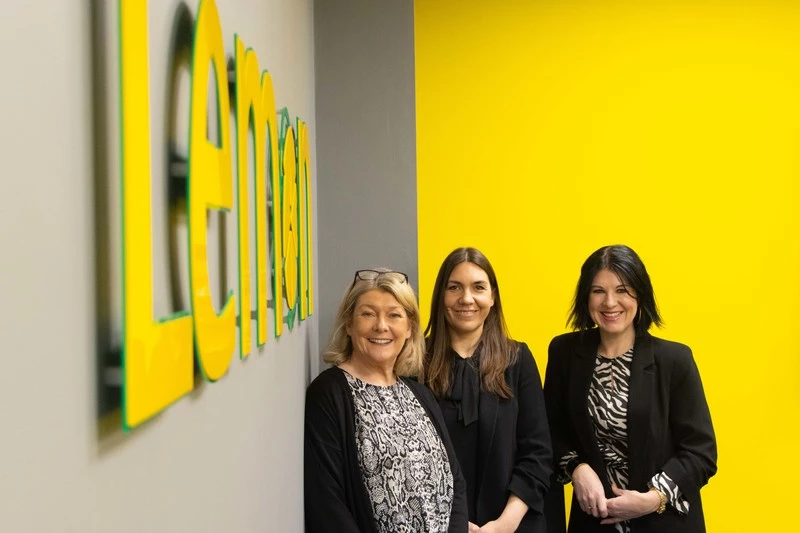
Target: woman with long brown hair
(490, 392)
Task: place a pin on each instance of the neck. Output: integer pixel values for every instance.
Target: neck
(465, 344)
(615, 345)
(380, 375)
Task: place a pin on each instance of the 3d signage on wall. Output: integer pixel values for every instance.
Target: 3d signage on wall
(158, 353)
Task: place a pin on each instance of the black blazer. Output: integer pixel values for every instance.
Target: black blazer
(514, 446)
(669, 424)
(336, 500)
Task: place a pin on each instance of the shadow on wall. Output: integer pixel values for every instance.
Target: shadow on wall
(108, 348)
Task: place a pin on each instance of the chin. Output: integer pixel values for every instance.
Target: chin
(617, 329)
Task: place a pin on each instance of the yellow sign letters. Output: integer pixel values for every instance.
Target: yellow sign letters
(157, 352)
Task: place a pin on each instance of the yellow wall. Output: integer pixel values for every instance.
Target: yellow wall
(548, 129)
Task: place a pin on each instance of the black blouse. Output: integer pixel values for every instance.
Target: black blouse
(460, 412)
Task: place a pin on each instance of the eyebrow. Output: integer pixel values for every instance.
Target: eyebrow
(378, 308)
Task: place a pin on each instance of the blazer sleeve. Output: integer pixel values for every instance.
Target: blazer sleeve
(695, 459)
(326, 508)
(458, 514)
(562, 434)
(530, 477)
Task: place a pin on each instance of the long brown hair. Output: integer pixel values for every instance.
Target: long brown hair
(497, 350)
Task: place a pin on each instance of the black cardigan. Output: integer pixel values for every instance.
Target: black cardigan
(336, 500)
(669, 425)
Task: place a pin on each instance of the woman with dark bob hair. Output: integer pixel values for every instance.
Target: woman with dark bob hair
(377, 454)
(628, 417)
(490, 393)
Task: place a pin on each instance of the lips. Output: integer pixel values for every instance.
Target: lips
(381, 341)
(466, 312)
(611, 315)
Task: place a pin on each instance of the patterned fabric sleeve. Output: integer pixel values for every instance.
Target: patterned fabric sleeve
(664, 483)
(566, 465)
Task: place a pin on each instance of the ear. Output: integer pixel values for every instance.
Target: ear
(348, 328)
(408, 333)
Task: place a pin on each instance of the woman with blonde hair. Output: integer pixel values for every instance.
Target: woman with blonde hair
(490, 393)
(377, 454)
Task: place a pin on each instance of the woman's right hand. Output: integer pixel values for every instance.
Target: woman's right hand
(589, 491)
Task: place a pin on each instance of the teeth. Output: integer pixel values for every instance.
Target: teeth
(380, 341)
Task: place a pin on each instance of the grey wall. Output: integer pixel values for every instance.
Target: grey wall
(226, 457)
(366, 143)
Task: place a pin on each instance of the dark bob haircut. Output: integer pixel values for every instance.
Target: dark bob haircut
(626, 264)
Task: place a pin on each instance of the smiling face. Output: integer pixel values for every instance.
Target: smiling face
(612, 305)
(468, 298)
(378, 330)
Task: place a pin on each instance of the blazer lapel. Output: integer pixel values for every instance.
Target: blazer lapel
(640, 401)
(583, 362)
(489, 404)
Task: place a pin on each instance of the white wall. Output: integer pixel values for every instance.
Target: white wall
(228, 456)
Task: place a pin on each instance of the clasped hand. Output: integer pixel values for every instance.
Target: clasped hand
(626, 505)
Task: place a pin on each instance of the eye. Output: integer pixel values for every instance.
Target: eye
(395, 316)
(453, 288)
(367, 314)
(597, 291)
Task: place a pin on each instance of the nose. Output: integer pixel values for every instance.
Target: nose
(466, 296)
(380, 323)
(610, 299)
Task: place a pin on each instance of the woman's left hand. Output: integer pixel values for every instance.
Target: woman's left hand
(496, 526)
(509, 520)
(629, 504)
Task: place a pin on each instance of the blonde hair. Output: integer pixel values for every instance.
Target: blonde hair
(340, 347)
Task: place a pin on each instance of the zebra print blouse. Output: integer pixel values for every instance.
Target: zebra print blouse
(608, 407)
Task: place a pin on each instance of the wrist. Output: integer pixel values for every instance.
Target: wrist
(661, 500)
(513, 513)
(575, 469)
(507, 523)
